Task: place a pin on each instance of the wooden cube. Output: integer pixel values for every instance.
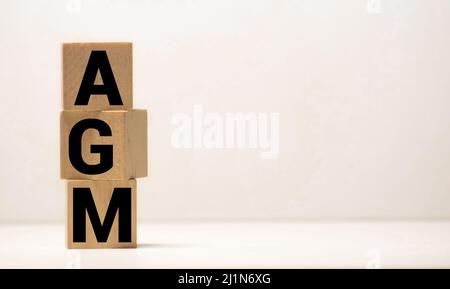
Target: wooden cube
(87, 70)
(101, 214)
(103, 145)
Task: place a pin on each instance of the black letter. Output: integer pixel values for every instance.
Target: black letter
(105, 151)
(83, 202)
(98, 61)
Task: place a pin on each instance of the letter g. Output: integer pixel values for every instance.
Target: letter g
(105, 151)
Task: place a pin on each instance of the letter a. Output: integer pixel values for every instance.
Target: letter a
(98, 62)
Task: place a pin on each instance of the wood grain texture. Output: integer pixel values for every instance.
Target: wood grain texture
(101, 193)
(75, 59)
(129, 141)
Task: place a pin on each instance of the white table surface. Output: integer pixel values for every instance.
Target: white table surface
(353, 244)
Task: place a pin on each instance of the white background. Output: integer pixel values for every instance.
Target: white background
(362, 92)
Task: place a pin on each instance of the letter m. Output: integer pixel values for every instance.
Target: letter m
(83, 203)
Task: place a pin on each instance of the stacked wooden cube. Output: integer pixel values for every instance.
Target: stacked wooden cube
(103, 145)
